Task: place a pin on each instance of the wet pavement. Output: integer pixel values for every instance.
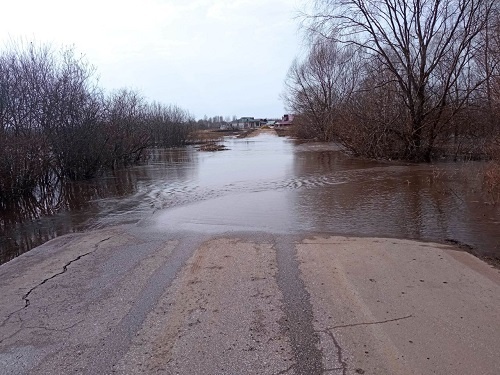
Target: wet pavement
(136, 300)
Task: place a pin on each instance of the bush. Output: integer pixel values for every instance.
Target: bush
(56, 121)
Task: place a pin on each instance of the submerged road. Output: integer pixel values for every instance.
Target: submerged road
(132, 300)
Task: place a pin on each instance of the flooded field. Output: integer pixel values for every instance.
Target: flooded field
(270, 184)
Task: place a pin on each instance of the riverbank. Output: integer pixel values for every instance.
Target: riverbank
(133, 299)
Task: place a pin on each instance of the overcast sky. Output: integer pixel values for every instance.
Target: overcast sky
(211, 57)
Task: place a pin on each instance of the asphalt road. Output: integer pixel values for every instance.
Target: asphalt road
(127, 300)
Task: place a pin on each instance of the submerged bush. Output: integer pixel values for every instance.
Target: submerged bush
(56, 121)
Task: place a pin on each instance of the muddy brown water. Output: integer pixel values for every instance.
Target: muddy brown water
(268, 184)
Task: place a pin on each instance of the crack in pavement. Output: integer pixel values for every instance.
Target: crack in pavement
(65, 268)
(371, 323)
(23, 327)
(14, 333)
(64, 329)
(10, 316)
(340, 356)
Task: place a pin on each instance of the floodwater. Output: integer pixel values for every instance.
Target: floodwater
(268, 184)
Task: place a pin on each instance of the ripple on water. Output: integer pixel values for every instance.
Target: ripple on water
(268, 183)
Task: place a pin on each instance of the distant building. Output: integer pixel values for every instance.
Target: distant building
(250, 123)
(246, 123)
(286, 120)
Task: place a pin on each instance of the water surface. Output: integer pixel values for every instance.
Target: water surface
(267, 183)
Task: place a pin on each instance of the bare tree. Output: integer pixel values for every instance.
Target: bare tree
(169, 125)
(24, 150)
(425, 46)
(56, 123)
(73, 116)
(489, 65)
(319, 87)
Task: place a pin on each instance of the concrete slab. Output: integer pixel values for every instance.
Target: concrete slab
(385, 306)
(127, 300)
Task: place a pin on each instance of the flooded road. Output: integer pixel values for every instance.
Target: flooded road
(268, 184)
(233, 265)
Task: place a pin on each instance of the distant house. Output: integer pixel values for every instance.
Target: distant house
(246, 123)
(285, 120)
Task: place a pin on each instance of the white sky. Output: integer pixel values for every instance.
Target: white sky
(211, 57)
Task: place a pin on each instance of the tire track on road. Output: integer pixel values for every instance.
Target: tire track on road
(113, 347)
(298, 321)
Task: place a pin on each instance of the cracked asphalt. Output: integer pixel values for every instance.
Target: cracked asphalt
(128, 300)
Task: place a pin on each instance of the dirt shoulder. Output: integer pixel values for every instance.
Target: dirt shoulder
(127, 301)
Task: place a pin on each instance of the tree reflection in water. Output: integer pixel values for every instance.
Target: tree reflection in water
(267, 183)
(65, 207)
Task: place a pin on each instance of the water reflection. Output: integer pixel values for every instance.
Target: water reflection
(269, 184)
(326, 191)
(427, 202)
(117, 197)
(377, 199)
